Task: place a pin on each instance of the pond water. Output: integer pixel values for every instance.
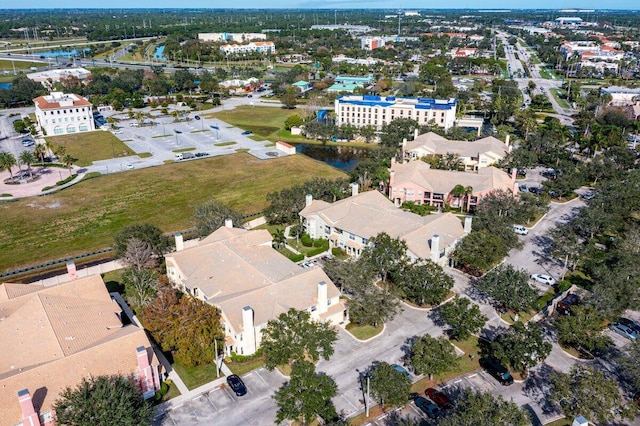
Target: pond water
(159, 53)
(341, 157)
(67, 53)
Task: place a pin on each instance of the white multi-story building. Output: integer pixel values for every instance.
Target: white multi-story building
(377, 111)
(254, 46)
(61, 114)
(370, 43)
(240, 37)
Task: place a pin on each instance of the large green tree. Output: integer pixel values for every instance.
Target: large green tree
(430, 355)
(474, 408)
(423, 283)
(394, 132)
(306, 395)
(587, 392)
(294, 336)
(463, 316)
(211, 215)
(385, 255)
(522, 346)
(509, 287)
(141, 286)
(388, 385)
(582, 329)
(145, 232)
(103, 401)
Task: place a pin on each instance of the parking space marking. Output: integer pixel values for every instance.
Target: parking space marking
(349, 402)
(206, 395)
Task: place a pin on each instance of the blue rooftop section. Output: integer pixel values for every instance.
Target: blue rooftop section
(422, 103)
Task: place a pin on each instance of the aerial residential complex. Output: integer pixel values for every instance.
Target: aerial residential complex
(251, 283)
(60, 114)
(377, 111)
(254, 46)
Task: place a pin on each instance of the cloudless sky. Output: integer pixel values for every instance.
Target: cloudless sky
(327, 4)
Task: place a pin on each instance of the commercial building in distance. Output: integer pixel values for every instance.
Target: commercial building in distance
(47, 78)
(61, 114)
(227, 37)
(377, 111)
(254, 46)
(370, 43)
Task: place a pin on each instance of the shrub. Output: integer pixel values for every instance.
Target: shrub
(245, 358)
(306, 240)
(296, 257)
(562, 286)
(321, 243)
(545, 299)
(316, 251)
(338, 252)
(46, 188)
(66, 180)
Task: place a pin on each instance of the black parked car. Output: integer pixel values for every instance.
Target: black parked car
(535, 190)
(497, 370)
(237, 385)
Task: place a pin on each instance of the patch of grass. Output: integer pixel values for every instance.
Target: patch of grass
(544, 73)
(6, 195)
(243, 368)
(160, 136)
(113, 281)
(560, 100)
(195, 376)
(242, 150)
(271, 119)
(285, 369)
(168, 161)
(145, 154)
(580, 279)
(200, 131)
(560, 422)
(364, 332)
(225, 143)
(88, 147)
(183, 150)
(85, 217)
(171, 393)
(522, 316)
(8, 65)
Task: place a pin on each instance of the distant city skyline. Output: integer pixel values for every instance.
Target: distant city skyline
(333, 4)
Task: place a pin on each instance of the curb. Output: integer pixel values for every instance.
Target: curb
(384, 327)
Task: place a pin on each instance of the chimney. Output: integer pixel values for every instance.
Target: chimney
(415, 133)
(179, 242)
(248, 331)
(308, 199)
(29, 415)
(143, 357)
(322, 297)
(71, 270)
(506, 142)
(228, 223)
(354, 189)
(467, 224)
(435, 248)
(392, 178)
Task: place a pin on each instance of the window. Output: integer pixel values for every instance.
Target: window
(329, 302)
(313, 308)
(83, 127)
(58, 130)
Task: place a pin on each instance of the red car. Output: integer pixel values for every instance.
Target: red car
(438, 397)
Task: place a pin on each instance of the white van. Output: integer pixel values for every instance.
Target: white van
(520, 230)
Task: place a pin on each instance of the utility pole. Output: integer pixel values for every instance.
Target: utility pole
(366, 398)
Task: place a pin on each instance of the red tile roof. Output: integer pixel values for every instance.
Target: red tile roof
(78, 101)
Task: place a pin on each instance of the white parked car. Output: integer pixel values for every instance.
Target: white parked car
(544, 279)
(520, 230)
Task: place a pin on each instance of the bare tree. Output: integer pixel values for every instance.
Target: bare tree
(139, 255)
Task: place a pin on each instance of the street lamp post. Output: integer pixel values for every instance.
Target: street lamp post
(215, 343)
(177, 140)
(216, 128)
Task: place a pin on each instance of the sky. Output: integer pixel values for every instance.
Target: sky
(332, 4)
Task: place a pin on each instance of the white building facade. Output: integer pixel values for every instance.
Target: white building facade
(257, 46)
(377, 111)
(61, 114)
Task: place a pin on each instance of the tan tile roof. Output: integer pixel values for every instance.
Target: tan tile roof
(433, 143)
(54, 336)
(10, 291)
(43, 103)
(443, 181)
(235, 268)
(370, 213)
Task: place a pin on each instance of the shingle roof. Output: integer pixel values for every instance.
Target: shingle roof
(443, 181)
(53, 337)
(370, 213)
(235, 268)
(433, 143)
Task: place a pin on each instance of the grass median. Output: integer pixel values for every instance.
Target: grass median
(85, 217)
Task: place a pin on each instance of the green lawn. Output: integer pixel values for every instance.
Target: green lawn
(364, 332)
(243, 368)
(8, 65)
(85, 216)
(113, 281)
(88, 147)
(245, 117)
(561, 101)
(196, 376)
(544, 73)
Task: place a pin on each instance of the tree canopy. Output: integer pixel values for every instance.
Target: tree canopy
(463, 316)
(388, 385)
(481, 408)
(211, 215)
(508, 287)
(306, 395)
(103, 401)
(522, 346)
(294, 336)
(144, 232)
(431, 355)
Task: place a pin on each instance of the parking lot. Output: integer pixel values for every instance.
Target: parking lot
(222, 407)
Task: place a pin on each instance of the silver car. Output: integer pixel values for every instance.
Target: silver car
(624, 331)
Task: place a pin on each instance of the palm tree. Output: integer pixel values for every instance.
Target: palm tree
(68, 161)
(468, 191)
(49, 147)
(27, 158)
(7, 160)
(39, 150)
(278, 238)
(458, 192)
(60, 151)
